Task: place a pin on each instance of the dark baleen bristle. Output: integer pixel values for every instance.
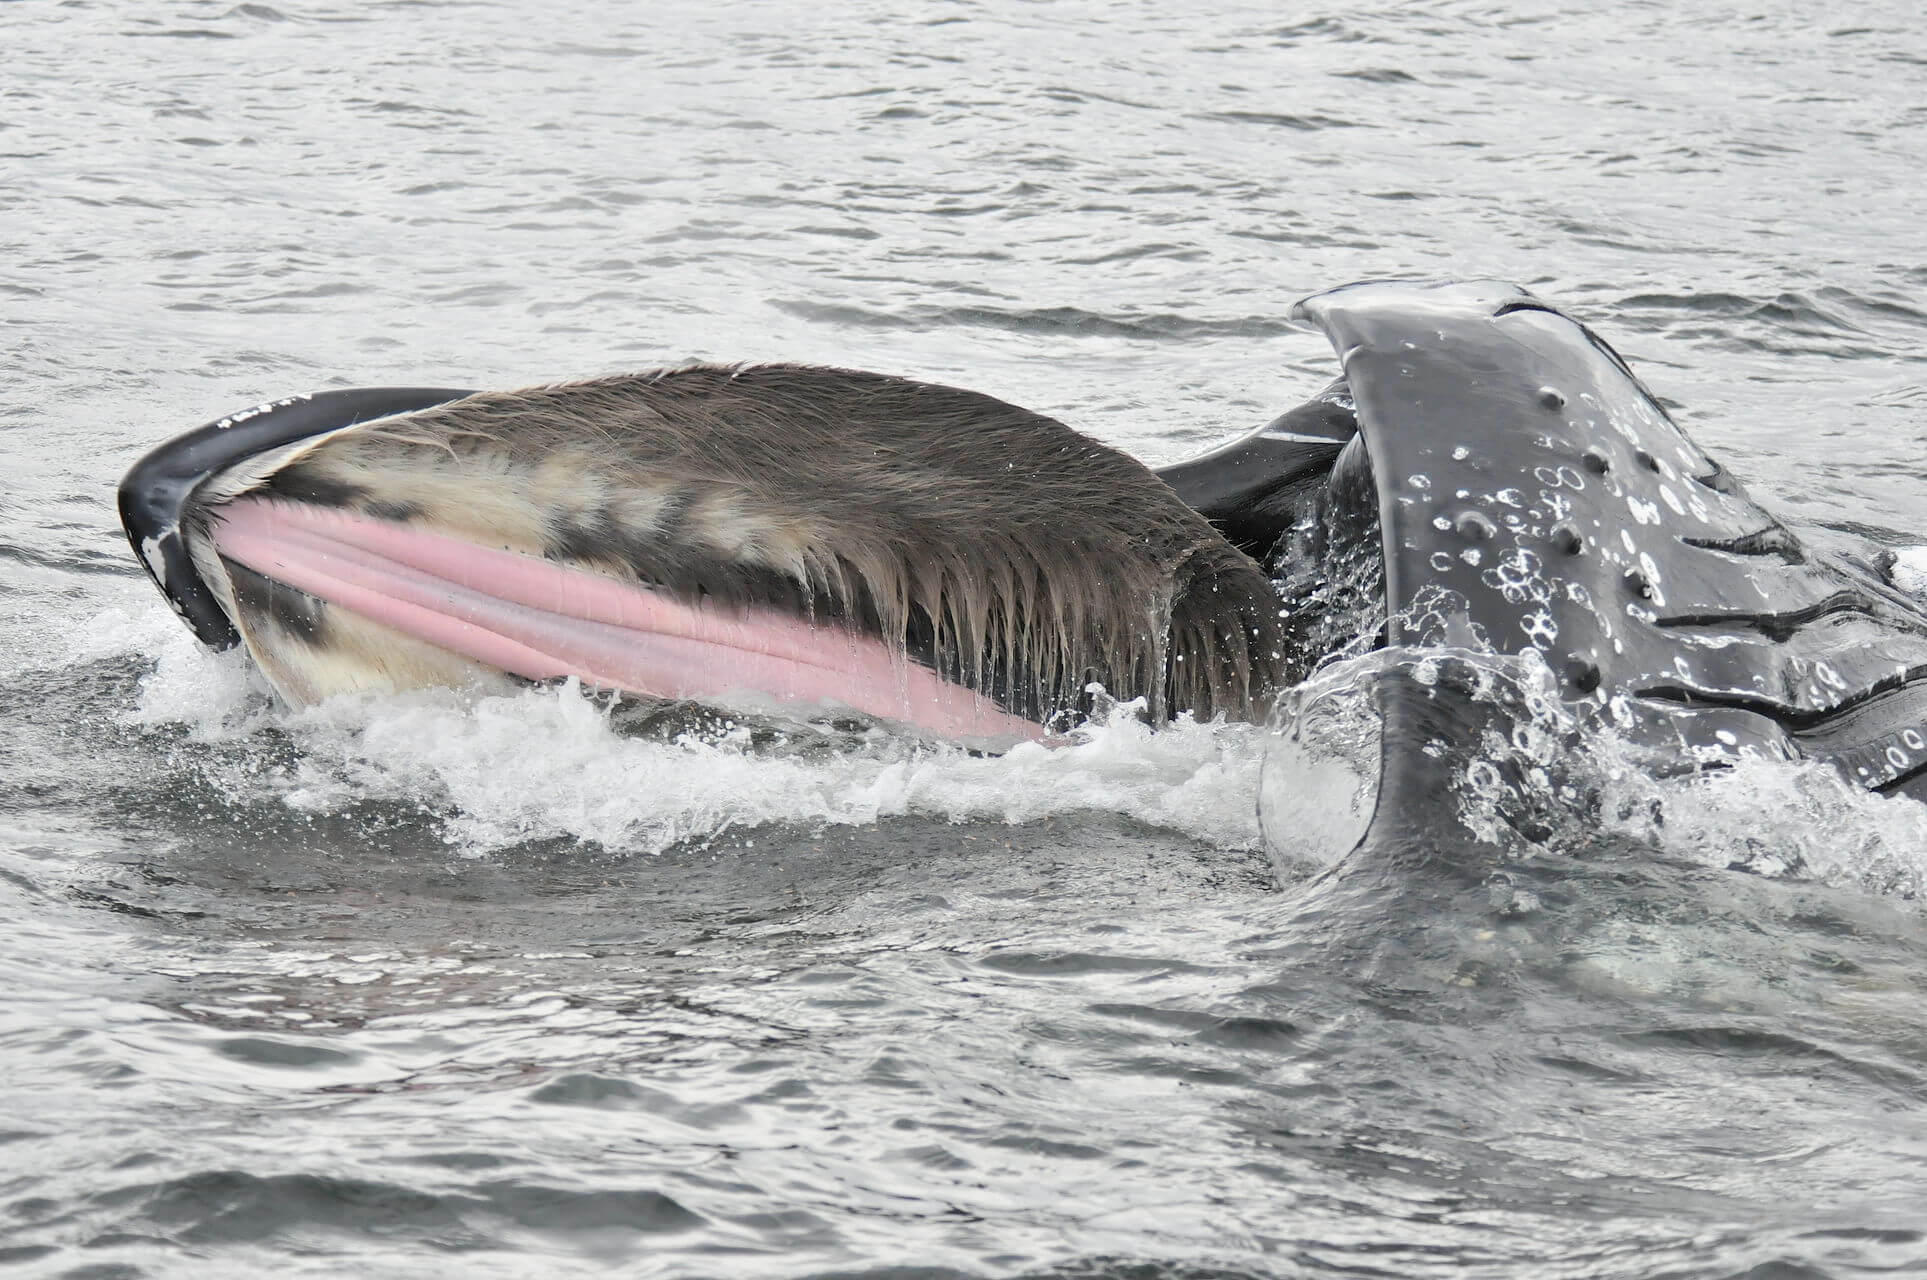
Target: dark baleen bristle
(1026, 558)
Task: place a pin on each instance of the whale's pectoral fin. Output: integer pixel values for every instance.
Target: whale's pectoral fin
(1534, 498)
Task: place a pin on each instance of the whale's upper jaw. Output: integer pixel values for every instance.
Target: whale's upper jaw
(159, 491)
(1535, 498)
(915, 552)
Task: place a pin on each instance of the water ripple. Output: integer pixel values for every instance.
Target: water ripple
(441, 988)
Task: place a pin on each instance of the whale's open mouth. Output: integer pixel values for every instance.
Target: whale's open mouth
(1487, 475)
(815, 538)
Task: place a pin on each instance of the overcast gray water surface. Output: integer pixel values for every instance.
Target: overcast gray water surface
(460, 986)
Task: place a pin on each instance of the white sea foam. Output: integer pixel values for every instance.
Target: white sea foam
(1910, 570)
(549, 762)
(1774, 818)
(499, 769)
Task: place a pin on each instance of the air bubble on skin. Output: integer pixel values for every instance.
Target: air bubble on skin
(1643, 512)
(1461, 453)
(1541, 631)
(1471, 556)
(1482, 775)
(1420, 481)
(1442, 561)
(1511, 497)
(1518, 575)
(1913, 740)
(1442, 524)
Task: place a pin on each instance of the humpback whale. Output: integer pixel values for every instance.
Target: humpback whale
(1486, 476)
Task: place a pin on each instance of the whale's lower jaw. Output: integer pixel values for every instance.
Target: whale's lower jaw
(805, 537)
(331, 601)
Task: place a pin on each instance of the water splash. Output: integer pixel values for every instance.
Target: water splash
(1551, 774)
(495, 770)
(554, 762)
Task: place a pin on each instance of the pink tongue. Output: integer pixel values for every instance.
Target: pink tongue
(536, 619)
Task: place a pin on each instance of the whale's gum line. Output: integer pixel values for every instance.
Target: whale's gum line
(540, 620)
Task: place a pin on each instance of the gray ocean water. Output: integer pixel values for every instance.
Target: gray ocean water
(451, 986)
